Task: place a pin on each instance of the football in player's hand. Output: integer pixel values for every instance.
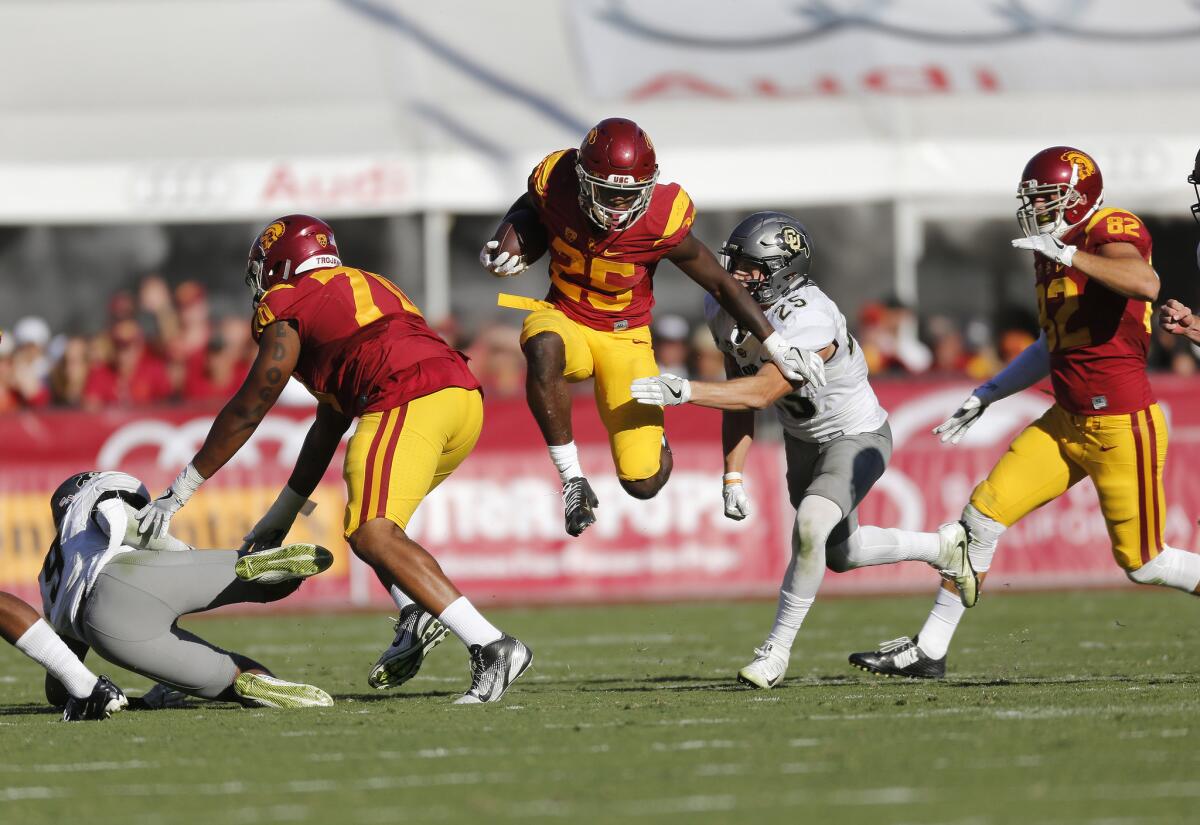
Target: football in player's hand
(522, 234)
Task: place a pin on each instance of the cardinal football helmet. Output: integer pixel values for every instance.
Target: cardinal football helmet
(1060, 188)
(777, 246)
(1194, 180)
(289, 246)
(617, 172)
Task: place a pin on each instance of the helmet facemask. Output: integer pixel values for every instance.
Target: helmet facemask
(771, 277)
(1044, 206)
(1194, 180)
(614, 204)
(255, 277)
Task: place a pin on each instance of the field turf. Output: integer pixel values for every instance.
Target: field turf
(1064, 708)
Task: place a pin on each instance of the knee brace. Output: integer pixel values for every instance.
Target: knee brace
(1170, 568)
(982, 534)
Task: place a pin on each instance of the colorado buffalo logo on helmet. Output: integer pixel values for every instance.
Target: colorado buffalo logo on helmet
(1085, 165)
(792, 239)
(271, 234)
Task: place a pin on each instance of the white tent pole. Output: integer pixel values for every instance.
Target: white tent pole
(907, 227)
(436, 231)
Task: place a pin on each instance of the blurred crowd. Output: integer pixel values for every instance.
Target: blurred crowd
(168, 344)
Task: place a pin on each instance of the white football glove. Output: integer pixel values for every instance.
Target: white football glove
(664, 390)
(737, 503)
(956, 426)
(275, 524)
(796, 364)
(155, 518)
(502, 265)
(1050, 246)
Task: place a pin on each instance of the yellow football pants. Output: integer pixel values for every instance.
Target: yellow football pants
(635, 430)
(397, 457)
(1122, 454)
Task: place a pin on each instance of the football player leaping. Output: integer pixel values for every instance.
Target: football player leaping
(837, 439)
(1094, 287)
(609, 223)
(362, 348)
(104, 587)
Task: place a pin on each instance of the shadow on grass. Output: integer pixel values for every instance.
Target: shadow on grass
(29, 709)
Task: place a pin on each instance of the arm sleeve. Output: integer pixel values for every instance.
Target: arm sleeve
(1031, 366)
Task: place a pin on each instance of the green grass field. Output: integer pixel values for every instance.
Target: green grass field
(1060, 708)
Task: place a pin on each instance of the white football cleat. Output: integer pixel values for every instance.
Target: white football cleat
(417, 633)
(767, 669)
(954, 564)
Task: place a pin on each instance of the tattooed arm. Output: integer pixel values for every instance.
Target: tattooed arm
(278, 352)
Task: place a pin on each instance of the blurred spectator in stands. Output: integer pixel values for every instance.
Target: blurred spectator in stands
(216, 373)
(133, 375)
(670, 334)
(949, 347)
(888, 334)
(121, 306)
(8, 398)
(705, 361)
(30, 363)
(69, 374)
(195, 326)
(497, 360)
(156, 313)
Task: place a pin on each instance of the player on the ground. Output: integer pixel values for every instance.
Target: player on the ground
(836, 437)
(362, 348)
(609, 222)
(1175, 316)
(103, 590)
(1095, 285)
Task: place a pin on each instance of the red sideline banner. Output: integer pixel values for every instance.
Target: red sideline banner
(496, 525)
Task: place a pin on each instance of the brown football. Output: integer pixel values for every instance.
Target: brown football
(522, 234)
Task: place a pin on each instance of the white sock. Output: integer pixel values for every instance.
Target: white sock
(984, 533)
(789, 615)
(468, 624)
(815, 520)
(934, 638)
(400, 597)
(1170, 568)
(566, 460)
(869, 546)
(42, 644)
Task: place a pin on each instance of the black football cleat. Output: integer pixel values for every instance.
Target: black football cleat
(105, 700)
(900, 657)
(578, 501)
(493, 668)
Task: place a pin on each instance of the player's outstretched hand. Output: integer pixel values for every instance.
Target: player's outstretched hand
(796, 364)
(499, 263)
(155, 518)
(737, 503)
(273, 527)
(1176, 318)
(664, 390)
(956, 426)
(1048, 245)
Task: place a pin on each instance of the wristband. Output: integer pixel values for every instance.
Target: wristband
(186, 483)
(732, 478)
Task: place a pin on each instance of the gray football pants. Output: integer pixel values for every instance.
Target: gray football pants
(130, 616)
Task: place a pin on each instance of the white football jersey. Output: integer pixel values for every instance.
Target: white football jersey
(90, 535)
(808, 319)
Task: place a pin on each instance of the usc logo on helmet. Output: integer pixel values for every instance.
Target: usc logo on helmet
(322, 239)
(1086, 166)
(271, 234)
(591, 136)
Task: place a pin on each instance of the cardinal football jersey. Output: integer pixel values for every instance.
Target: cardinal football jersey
(364, 346)
(604, 279)
(1097, 338)
(808, 319)
(91, 534)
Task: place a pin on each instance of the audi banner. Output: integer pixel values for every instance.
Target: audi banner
(496, 525)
